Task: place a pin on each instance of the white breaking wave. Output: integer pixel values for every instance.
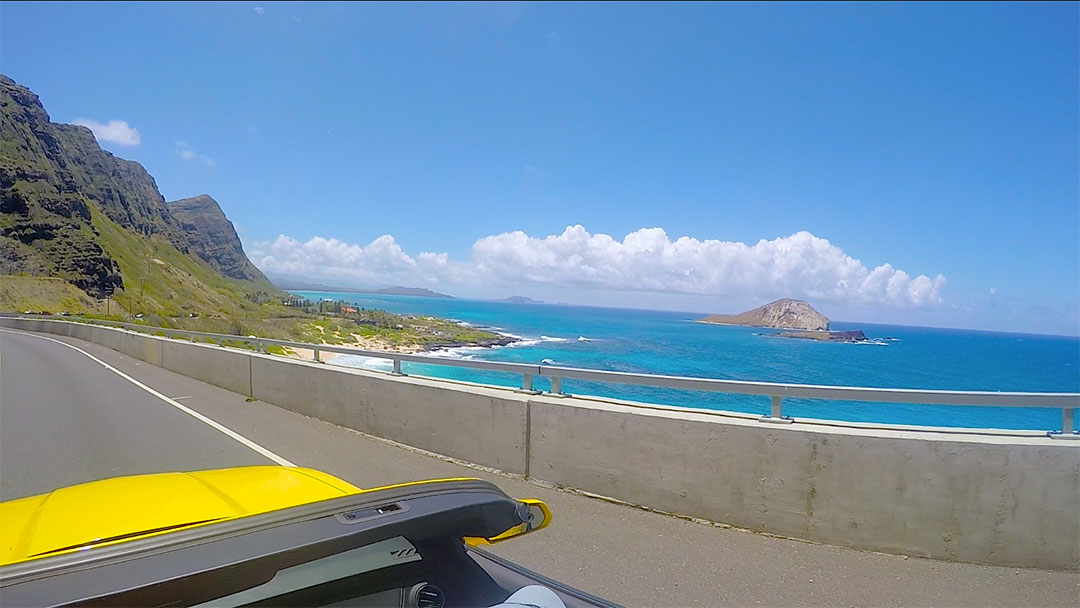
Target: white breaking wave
(364, 362)
(459, 352)
(532, 341)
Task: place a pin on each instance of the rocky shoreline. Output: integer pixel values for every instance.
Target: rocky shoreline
(485, 343)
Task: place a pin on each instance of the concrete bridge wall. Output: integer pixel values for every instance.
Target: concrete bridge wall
(994, 497)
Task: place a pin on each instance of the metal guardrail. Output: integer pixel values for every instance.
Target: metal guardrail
(777, 392)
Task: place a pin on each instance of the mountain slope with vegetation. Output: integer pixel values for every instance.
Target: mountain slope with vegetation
(70, 210)
(84, 232)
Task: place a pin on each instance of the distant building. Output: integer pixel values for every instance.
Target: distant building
(348, 310)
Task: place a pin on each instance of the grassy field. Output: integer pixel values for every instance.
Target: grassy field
(20, 294)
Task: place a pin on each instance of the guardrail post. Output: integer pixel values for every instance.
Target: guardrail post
(775, 412)
(315, 354)
(397, 368)
(527, 384)
(1066, 431)
(556, 385)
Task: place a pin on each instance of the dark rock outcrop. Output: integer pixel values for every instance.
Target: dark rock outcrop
(211, 236)
(827, 336)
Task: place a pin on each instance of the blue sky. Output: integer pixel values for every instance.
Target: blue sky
(376, 144)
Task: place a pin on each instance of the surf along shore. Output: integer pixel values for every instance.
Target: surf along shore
(362, 329)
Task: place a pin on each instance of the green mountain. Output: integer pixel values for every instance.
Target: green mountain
(86, 232)
(70, 210)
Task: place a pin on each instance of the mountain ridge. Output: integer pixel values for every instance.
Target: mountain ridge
(63, 199)
(212, 237)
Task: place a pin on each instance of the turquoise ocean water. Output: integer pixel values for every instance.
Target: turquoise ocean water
(662, 342)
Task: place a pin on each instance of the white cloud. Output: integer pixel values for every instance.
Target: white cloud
(534, 170)
(118, 132)
(993, 291)
(259, 10)
(381, 260)
(800, 265)
(184, 151)
(647, 260)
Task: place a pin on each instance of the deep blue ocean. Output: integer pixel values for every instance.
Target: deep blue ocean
(662, 342)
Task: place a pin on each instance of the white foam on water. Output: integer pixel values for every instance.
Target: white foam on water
(364, 362)
(459, 352)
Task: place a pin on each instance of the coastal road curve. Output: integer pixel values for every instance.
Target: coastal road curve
(73, 412)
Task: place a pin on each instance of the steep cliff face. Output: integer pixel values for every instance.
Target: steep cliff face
(69, 209)
(782, 314)
(211, 236)
(44, 217)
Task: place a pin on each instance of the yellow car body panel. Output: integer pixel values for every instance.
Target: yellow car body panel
(127, 508)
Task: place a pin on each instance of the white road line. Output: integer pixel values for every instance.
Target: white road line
(231, 433)
(184, 397)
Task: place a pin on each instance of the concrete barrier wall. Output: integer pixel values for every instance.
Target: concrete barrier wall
(990, 499)
(143, 348)
(478, 424)
(230, 369)
(77, 330)
(1005, 499)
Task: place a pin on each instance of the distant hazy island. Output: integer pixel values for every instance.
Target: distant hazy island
(520, 300)
(788, 314)
(417, 292)
(396, 290)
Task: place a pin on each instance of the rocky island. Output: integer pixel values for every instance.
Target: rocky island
(789, 314)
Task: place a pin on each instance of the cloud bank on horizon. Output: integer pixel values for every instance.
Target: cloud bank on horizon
(800, 265)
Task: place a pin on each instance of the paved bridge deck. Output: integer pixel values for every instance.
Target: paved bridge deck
(65, 419)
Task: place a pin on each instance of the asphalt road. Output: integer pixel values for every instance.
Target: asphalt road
(65, 418)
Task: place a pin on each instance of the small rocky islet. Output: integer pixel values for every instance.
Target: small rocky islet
(796, 315)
